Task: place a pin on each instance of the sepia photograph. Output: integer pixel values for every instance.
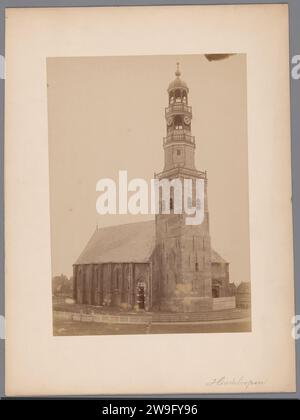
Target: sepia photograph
(149, 194)
(148, 211)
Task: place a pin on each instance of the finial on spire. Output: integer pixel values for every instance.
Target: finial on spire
(177, 73)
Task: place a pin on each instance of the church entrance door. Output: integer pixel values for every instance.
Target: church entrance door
(216, 291)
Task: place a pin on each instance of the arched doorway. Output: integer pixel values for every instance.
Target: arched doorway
(215, 291)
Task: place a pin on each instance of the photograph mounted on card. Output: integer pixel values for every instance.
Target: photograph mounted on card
(148, 211)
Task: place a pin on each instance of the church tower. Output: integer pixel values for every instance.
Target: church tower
(184, 250)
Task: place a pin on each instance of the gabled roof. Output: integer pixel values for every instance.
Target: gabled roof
(216, 258)
(244, 287)
(132, 242)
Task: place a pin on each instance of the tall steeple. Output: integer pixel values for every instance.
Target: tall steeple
(185, 250)
(179, 144)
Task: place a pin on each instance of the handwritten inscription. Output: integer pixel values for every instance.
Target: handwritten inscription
(235, 381)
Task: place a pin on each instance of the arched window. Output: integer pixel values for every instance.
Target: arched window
(177, 95)
(117, 278)
(171, 204)
(196, 266)
(84, 288)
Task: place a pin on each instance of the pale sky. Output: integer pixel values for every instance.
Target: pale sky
(107, 114)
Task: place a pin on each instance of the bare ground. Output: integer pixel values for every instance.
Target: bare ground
(73, 328)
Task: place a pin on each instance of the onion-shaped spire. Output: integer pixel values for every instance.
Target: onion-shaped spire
(178, 82)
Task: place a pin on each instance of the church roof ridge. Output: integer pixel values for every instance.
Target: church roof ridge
(125, 243)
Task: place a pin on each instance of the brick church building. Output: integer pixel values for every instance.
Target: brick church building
(164, 264)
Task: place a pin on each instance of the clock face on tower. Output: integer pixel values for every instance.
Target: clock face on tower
(187, 120)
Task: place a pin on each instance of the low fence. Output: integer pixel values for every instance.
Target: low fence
(105, 318)
(154, 318)
(223, 303)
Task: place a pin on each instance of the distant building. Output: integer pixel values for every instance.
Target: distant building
(164, 264)
(62, 286)
(243, 295)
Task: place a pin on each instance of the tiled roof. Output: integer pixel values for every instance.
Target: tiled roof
(132, 242)
(244, 287)
(216, 258)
